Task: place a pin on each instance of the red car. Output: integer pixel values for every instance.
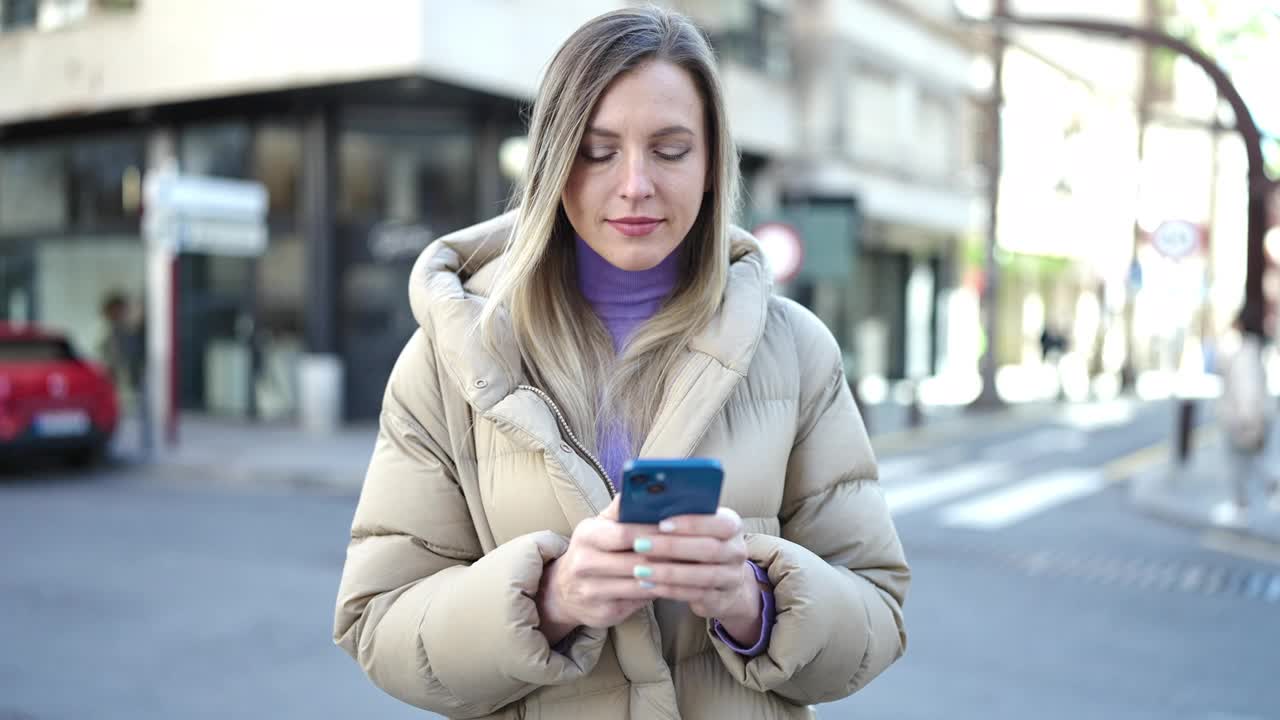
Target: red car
(51, 400)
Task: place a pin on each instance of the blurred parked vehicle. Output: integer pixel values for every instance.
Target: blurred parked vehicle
(52, 400)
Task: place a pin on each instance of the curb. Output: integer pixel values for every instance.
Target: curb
(968, 424)
(294, 479)
(1147, 497)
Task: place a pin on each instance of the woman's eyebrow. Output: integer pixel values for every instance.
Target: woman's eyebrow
(663, 132)
(673, 130)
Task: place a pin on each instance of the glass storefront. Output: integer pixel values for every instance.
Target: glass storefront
(405, 178)
(397, 171)
(240, 321)
(69, 232)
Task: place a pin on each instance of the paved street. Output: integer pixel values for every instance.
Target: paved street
(1039, 592)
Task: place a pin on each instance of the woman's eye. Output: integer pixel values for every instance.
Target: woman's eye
(596, 155)
(672, 153)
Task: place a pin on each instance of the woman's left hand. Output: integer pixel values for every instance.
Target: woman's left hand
(702, 560)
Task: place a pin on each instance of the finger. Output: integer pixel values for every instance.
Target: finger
(723, 525)
(702, 549)
(690, 595)
(602, 564)
(612, 536)
(611, 512)
(604, 615)
(607, 590)
(696, 576)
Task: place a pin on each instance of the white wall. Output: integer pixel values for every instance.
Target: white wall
(499, 45)
(185, 49)
(942, 209)
(762, 111)
(170, 50)
(880, 35)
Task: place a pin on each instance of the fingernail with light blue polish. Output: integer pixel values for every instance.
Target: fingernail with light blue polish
(642, 545)
(643, 571)
(646, 585)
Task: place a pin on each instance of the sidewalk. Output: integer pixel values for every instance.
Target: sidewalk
(891, 432)
(1187, 495)
(224, 450)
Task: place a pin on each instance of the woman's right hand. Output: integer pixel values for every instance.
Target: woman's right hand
(591, 583)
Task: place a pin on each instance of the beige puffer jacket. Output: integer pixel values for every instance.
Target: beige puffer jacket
(473, 487)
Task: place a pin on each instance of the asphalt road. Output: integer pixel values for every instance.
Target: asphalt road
(1038, 593)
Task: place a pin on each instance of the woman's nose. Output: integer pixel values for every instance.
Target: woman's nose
(637, 183)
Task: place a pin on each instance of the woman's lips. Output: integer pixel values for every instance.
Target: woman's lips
(635, 227)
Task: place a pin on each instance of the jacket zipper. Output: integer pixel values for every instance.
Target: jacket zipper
(572, 437)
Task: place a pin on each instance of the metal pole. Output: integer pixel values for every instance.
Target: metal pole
(1128, 371)
(161, 340)
(989, 398)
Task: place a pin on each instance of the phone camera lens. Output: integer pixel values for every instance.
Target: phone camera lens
(639, 480)
(657, 488)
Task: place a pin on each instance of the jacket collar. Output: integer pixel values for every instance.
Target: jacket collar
(452, 278)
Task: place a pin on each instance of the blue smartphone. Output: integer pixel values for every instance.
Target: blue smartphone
(653, 490)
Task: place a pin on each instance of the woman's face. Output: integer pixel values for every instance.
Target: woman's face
(638, 180)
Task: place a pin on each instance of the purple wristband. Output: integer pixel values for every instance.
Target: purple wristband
(766, 619)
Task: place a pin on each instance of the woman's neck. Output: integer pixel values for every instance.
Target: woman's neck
(624, 299)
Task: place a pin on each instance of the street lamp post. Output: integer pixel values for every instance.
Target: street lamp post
(989, 398)
(1260, 187)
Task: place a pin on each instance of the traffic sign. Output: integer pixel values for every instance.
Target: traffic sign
(783, 249)
(218, 216)
(1177, 239)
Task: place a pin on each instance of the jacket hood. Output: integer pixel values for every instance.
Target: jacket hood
(451, 279)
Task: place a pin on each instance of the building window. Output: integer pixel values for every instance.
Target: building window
(33, 188)
(421, 177)
(220, 150)
(754, 33)
(105, 182)
(18, 14)
(90, 184)
(277, 164)
(54, 14)
(936, 138)
(873, 116)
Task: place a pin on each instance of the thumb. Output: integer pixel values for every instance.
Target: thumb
(611, 512)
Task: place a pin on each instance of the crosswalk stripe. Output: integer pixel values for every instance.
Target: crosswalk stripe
(1005, 507)
(945, 486)
(902, 468)
(1037, 444)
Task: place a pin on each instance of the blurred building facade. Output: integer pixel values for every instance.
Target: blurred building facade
(377, 130)
(1068, 199)
(1104, 140)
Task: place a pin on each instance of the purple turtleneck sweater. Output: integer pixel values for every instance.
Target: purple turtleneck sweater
(624, 300)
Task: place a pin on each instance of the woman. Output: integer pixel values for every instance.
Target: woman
(617, 313)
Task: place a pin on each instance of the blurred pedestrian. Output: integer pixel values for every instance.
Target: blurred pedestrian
(616, 312)
(123, 352)
(1245, 415)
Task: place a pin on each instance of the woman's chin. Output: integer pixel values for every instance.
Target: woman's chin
(637, 259)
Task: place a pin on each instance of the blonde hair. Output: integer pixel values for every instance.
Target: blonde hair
(565, 349)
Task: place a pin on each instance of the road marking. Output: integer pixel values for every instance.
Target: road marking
(945, 486)
(1244, 546)
(1037, 444)
(1101, 415)
(903, 468)
(1124, 468)
(997, 510)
